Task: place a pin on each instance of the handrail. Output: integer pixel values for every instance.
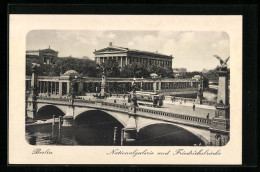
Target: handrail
(184, 117)
(139, 109)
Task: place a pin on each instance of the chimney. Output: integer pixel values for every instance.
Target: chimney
(110, 44)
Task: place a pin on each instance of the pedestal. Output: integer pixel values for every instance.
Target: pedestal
(31, 107)
(222, 88)
(67, 121)
(103, 86)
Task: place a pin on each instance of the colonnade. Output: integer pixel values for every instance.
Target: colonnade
(179, 85)
(62, 87)
(124, 60)
(53, 87)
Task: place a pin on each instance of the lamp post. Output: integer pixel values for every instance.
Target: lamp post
(134, 99)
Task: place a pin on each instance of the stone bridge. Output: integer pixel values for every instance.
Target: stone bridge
(132, 118)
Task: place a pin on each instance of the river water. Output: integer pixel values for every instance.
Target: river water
(103, 134)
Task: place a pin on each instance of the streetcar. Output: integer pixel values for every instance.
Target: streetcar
(151, 99)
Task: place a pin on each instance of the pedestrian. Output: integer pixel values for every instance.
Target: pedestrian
(172, 99)
(193, 106)
(208, 115)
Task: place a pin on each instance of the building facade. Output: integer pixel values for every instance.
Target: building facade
(45, 56)
(125, 56)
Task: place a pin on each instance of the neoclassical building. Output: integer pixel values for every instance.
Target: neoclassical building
(46, 56)
(126, 56)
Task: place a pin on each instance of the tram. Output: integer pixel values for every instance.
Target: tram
(149, 99)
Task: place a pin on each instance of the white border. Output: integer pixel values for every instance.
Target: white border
(20, 152)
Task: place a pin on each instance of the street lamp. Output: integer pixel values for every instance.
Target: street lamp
(134, 99)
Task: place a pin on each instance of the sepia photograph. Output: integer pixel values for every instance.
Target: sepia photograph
(138, 88)
(125, 89)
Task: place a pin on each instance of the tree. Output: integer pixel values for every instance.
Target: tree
(134, 70)
(161, 71)
(83, 66)
(110, 67)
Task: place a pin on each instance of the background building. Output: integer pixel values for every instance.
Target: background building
(45, 56)
(179, 71)
(126, 56)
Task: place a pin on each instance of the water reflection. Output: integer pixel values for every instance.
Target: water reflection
(103, 134)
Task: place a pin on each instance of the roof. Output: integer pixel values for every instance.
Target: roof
(49, 50)
(69, 72)
(112, 49)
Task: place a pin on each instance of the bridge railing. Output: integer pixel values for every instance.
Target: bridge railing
(125, 107)
(193, 119)
(53, 98)
(182, 117)
(205, 102)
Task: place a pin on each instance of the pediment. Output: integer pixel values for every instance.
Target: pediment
(112, 50)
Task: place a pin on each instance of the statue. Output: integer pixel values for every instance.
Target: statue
(200, 94)
(223, 63)
(72, 88)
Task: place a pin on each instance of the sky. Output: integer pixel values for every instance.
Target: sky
(191, 50)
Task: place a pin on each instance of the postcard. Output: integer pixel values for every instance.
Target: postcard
(125, 89)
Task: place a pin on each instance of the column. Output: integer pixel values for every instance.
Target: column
(68, 87)
(126, 60)
(47, 87)
(51, 88)
(44, 86)
(60, 88)
(55, 83)
(40, 86)
(121, 61)
(160, 86)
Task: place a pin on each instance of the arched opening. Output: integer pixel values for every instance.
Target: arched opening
(96, 127)
(166, 135)
(47, 112)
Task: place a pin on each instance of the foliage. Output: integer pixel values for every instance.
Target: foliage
(186, 75)
(110, 68)
(134, 70)
(161, 71)
(83, 66)
(90, 68)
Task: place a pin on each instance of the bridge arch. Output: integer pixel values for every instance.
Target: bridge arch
(100, 116)
(47, 111)
(180, 135)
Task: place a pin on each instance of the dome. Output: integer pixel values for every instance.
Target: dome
(69, 72)
(153, 75)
